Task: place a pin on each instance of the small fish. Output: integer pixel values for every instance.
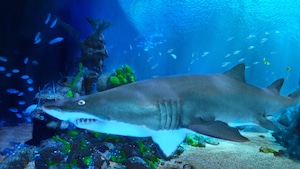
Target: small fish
(20, 94)
(3, 59)
(155, 66)
(255, 63)
(170, 50)
(15, 71)
(12, 91)
(29, 81)
(236, 52)
(55, 40)
(173, 55)
(229, 39)
(30, 89)
(34, 62)
(149, 59)
(2, 69)
(30, 109)
(193, 54)
(14, 110)
(251, 47)
(21, 102)
(227, 55)
(37, 38)
(205, 53)
(263, 40)
(225, 64)
(25, 60)
(241, 60)
(159, 53)
(8, 74)
(251, 36)
(19, 115)
(288, 68)
(130, 46)
(48, 18)
(25, 77)
(53, 23)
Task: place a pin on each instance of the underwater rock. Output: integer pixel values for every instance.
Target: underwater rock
(102, 82)
(289, 137)
(20, 158)
(174, 165)
(136, 162)
(90, 82)
(271, 150)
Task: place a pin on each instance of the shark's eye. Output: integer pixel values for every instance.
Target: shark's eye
(81, 102)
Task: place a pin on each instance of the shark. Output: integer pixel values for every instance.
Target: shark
(168, 108)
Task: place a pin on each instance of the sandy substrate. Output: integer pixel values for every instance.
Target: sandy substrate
(232, 155)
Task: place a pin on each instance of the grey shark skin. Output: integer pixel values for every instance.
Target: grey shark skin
(168, 108)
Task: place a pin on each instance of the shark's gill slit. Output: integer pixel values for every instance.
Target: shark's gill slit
(174, 112)
(169, 114)
(163, 114)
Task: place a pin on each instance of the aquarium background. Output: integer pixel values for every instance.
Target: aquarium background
(156, 38)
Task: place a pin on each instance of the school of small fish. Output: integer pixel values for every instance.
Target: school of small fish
(51, 21)
(38, 38)
(17, 73)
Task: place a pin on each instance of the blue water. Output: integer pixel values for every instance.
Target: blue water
(156, 38)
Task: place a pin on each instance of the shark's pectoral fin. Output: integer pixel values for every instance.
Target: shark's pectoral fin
(265, 123)
(169, 140)
(218, 129)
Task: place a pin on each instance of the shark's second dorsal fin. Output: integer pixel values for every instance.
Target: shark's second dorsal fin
(237, 72)
(276, 86)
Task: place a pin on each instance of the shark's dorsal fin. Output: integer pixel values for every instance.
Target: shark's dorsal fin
(237, 72)
(276, 86)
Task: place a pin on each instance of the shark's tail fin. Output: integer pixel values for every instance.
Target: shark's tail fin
(295, 95)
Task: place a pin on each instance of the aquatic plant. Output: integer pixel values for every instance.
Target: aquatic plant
(142, 147)
(114, 80)
(149, 158)
(87, 160)
(195, 140)
(76, 78)
(67, 145)
(74, 133)
(96, 134)
(118, 156)
(112, 138)
(123, 75)
(70, 94)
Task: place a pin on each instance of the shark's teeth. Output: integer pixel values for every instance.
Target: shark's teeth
(85, 120)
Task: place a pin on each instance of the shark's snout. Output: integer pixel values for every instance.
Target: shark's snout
(53, 111)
